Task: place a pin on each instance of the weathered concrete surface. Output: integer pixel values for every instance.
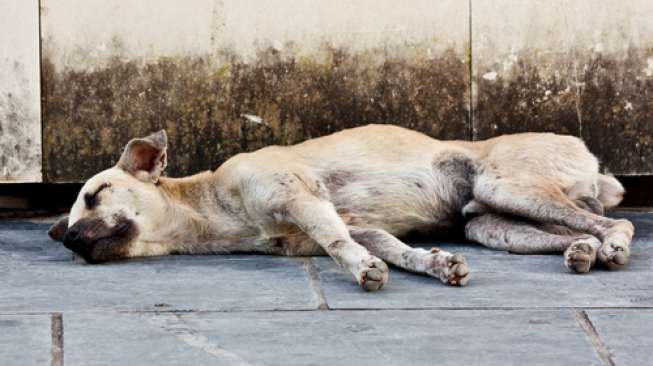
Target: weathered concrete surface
(627, 334)
(38, 275)
(500, 280)
(548, 66)
(133, 339)
(330, 338)
(258, 310)
(25, 340)
(104, 83)
(20, 112)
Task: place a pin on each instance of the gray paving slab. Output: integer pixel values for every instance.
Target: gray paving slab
(500, 279)
(104, 322)
(413, 337)
(626, 333)
(25, 340)
(129, 339)
(511, 289)
(23, 242)
(172, 283)
(38, 275)
(643, 221)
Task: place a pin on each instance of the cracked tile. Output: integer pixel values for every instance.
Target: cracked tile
(626, 333)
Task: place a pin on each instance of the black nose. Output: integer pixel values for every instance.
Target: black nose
(72, 235)
(73, 241)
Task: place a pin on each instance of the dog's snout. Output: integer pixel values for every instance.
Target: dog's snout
(97, 242)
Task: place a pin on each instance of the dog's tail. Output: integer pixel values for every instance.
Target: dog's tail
(611, 192)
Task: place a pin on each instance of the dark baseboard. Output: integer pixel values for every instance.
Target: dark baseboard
(36, 199)
(639, 190)
(39, 199)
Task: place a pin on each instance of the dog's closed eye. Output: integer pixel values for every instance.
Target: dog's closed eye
(91, 199)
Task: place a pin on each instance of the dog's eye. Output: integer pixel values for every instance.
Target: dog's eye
(91, 199)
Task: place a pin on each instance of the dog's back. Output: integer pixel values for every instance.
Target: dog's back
(401, 180)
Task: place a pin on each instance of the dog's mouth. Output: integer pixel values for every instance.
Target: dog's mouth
(97, 242)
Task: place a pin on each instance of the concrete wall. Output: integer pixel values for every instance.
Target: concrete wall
(20, 112)
(581, 67)
(306, 68)
(114, 69)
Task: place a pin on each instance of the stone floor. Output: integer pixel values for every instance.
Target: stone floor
(260, 310)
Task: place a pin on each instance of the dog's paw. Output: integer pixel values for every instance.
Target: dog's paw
(614, 253)
(450, 268)
(581, 254)
(373, 274)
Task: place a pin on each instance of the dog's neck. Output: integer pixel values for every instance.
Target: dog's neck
(201, 213)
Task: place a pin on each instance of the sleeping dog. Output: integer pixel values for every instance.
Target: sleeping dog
(350, 195)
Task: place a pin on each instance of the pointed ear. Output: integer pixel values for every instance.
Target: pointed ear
(58, 230)
(145, 158)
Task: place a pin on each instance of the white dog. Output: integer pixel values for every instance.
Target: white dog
(350, 194)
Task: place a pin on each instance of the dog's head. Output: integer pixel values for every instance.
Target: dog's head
(118, 209)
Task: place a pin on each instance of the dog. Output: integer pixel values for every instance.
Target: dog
(349, 195)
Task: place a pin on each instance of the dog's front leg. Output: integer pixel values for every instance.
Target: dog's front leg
(319, 220)
(448, 267)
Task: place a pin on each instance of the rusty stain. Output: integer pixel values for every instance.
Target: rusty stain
(90, 115)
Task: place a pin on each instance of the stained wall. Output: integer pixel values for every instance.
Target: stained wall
(229, 76)
(580, 67)
(20, 112)
(225, 76)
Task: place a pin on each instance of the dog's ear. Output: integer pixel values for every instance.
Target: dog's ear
(145, 158)
(58, 229)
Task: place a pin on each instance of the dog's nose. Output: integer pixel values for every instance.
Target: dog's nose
(72, 235)
(73, 241)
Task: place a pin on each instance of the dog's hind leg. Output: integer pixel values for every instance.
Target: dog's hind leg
(449, 268)
(500, 232)
(590, 204)
(536, 199)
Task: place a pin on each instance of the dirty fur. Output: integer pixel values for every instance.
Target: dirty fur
(352, 193)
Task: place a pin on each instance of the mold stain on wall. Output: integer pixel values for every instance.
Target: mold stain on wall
(20, 145)
(88, 115)
(603, 97)
(20, 127)
(617, 107)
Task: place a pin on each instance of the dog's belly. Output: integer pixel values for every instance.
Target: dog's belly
(428, 198)
(422, 216)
